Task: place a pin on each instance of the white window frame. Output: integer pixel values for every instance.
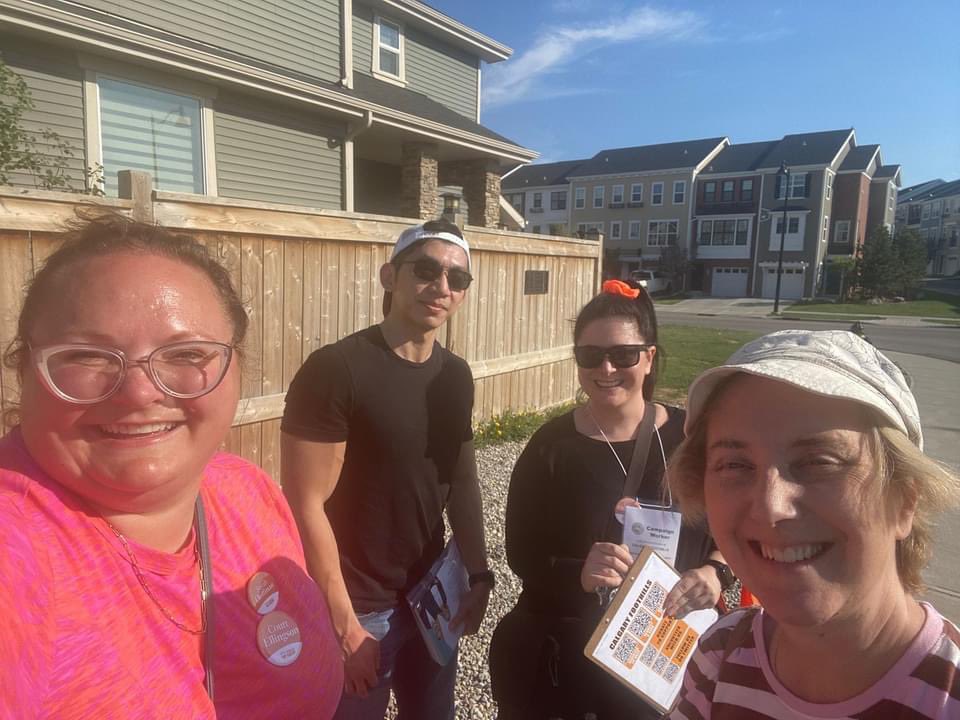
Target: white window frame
(733, 190)
(585, 227)
(537, 202)
(682, 184)
(617, 193)
(203, 94)
(792, 241)
(706, 232)
(579, 198)
(616, 230)
(633, 229)
(636, 192)
(380, 73)
(746, 180)
(597, 197)
(796, 190)
(651, 235)
(841, 228)
(654, 193)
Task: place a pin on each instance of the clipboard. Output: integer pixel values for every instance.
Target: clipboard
(637, 644)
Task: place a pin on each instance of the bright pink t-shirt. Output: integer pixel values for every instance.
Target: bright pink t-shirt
(80, 638)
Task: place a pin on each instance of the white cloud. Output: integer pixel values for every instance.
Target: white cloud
(560, 46)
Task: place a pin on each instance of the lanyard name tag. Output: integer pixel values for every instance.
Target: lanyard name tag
(655, 528)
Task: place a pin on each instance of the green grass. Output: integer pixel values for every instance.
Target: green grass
(931, 304)
(688, 350)
(691, 350)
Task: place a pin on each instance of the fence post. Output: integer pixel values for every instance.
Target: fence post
(137, 185)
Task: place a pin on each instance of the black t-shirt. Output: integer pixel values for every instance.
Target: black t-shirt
(404, 424)
(562, 495)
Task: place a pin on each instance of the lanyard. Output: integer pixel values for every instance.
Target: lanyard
(206, 591)
(638, 464)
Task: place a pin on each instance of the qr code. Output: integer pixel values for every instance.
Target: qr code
(654, 599)
(671, 672)
(640, 625)
(648, 655)
(625, 650)
(660, 663)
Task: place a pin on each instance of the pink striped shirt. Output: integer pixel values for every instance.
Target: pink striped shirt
(80, 638)
(730, 677)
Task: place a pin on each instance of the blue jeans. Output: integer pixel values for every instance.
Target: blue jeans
(424, 689)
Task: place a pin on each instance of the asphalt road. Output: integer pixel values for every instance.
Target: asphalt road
(942, 343)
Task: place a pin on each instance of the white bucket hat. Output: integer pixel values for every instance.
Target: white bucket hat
(832, 363)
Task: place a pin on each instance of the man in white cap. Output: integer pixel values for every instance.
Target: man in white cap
(376, 443)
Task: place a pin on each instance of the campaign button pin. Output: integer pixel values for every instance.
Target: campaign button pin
(262, 593)
(278, 637)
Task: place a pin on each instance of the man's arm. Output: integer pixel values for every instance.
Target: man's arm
(310, 471)
(465, 512)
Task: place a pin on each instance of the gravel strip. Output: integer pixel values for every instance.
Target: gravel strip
(473, 698)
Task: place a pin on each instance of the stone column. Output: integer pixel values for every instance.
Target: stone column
(480, 179)
(418, 180)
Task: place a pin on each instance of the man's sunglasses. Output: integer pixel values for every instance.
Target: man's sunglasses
(430, 270)
(621, 356)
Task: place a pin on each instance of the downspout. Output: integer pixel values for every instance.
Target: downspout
(346, 43)
(348, 159)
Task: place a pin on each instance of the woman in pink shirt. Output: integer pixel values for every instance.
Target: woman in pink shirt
(144, 573)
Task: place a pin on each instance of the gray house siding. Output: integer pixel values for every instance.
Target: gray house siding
(439, 71)
(298, 35)
(54, 80)
(275, 155)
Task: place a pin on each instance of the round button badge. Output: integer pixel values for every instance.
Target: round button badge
(262, 593)
(278, 637)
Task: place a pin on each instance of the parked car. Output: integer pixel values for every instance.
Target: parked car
(653, 280)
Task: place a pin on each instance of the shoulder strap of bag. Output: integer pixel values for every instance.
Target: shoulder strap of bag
(631, 483)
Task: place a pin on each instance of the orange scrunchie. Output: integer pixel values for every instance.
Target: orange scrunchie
(619, 287)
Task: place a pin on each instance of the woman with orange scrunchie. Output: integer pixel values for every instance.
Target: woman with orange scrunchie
(562, 534)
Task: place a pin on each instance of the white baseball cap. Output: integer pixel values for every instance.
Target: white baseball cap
(431, 230)
(832, 363)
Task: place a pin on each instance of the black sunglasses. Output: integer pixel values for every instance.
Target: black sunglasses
(429, 270)
(621, 356)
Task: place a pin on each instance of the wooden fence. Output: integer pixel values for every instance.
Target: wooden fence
(310, 277)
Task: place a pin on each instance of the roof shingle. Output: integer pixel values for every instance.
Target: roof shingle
(644, 158)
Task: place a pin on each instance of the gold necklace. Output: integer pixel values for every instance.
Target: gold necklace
(146, 588)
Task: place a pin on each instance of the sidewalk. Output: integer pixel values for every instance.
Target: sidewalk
(938, 395)
(763, 307)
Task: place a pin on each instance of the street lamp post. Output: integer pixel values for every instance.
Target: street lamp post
(784, 174)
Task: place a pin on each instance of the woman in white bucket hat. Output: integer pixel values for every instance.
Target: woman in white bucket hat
(804, 452)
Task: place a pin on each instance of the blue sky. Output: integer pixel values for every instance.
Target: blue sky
(592, 74)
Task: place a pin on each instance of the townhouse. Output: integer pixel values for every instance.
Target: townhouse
(541, 194)
(639, 198)
(834, 194)
(350, 105)
(726, 220)
(932, 209)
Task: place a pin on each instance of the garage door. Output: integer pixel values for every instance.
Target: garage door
(791, 286)
(729, 282)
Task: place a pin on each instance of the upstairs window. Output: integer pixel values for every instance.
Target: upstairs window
(580, 198)
(656, 194)
(798, 186)
(636, 192)
(617, 195)
(538, 201)
(746, 190)
(388, 49)
(598, 196)
(679, 192)
(841, 232)
(558, 200)
(710, 191)
(727, 192)
(144, 128)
